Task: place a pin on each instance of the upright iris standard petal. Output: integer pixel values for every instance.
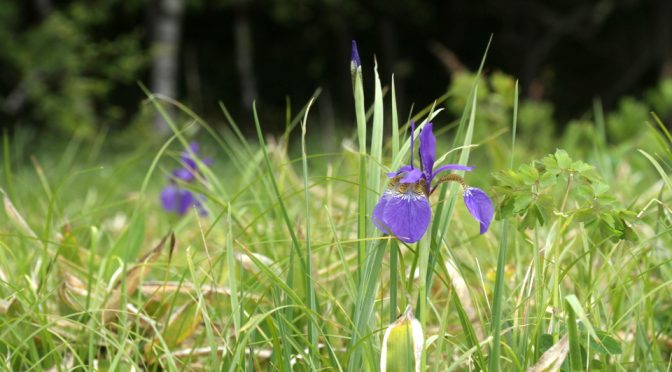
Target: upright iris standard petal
(412, 176)
(480, 206)
(403, 211)
(427, 151)
(187, 158)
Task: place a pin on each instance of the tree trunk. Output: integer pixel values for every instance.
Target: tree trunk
(166, 19)
(242, 33)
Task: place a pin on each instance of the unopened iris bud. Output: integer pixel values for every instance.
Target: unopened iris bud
(402, 344)
(355, 62)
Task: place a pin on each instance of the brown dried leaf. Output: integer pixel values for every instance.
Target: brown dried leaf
(462, 291)
(159, 289)
(134, 277)
(16, 217)
(9, 307)
(553, 357)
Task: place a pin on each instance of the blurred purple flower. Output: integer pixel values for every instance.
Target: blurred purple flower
(404, 211)
(179, 200)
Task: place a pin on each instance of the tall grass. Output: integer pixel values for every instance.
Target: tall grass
(287, 271)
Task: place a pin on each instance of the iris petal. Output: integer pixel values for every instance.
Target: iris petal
(480, 206)
(184, 174)
(411, 176)
(406, 216)
(168, 197)
(456, 167)
(403, 169)
(427, 150)
(379, 211)
(185, 201)
(186, 156)
(459, 167)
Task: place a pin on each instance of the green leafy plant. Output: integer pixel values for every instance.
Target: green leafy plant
(557, 186)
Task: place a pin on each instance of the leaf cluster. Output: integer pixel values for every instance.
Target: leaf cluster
(558, 187)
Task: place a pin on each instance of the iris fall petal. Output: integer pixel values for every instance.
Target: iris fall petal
(480, 206)
(405, 215)
(168, 197)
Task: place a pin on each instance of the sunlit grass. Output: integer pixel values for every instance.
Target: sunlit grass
(287, 272)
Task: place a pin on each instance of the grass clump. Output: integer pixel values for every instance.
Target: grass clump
(287, 272)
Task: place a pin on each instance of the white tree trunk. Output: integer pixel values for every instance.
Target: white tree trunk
(166, 31)
(242, 33)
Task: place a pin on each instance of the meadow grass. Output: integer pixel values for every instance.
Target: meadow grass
(288, 272)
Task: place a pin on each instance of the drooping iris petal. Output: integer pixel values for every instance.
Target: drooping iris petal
(169, 198)
(480, 206)
(379, 211)
(427, 150)
(406, 215)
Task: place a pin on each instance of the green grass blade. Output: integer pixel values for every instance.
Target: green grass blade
(310, 290)
(236, 310)
(498, 296)
(659, 168)
(574, 345)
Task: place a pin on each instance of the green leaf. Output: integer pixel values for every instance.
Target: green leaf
(509, 178)
(541, 216)
(585, 215)
(609, 220)
(606, 345)
(182, 324)
(584, 192)
(522, 203)
(545, 342)
(564, 161)
(599, 188)
(505, 208)
(548, 179)
(551, 164)
(529, 174)
(582, 167)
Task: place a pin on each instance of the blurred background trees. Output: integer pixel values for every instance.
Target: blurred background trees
(73, 67)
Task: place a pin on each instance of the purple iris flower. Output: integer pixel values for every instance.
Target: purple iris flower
(177, 199)
(404, 211)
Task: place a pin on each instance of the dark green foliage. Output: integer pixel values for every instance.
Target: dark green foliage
(67, 74)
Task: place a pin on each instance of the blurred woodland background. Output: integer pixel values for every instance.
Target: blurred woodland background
(72, 67)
